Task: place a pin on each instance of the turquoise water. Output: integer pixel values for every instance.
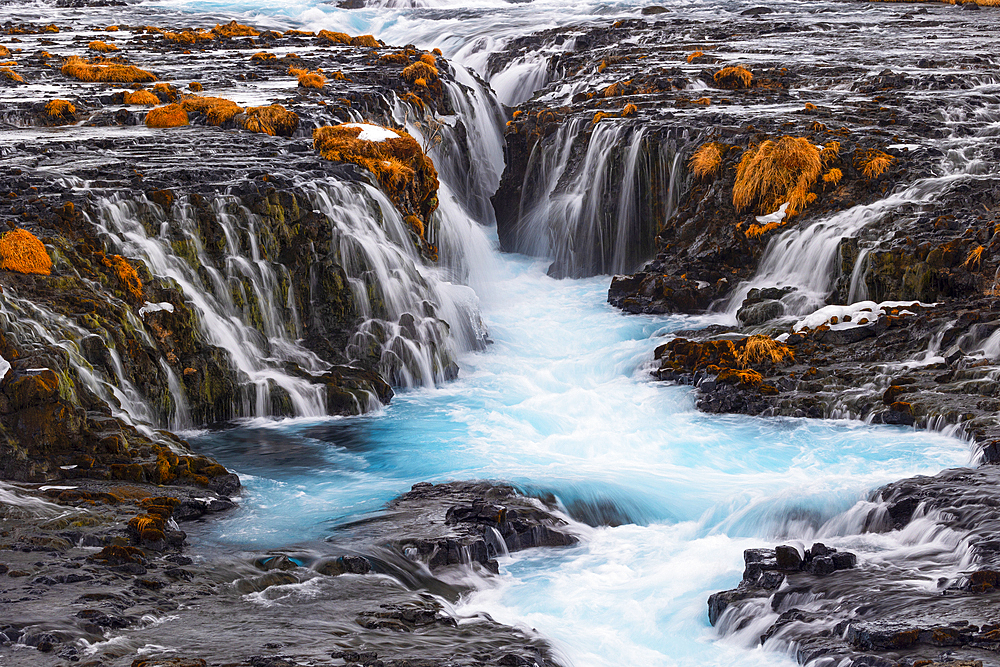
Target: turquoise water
(562, 402)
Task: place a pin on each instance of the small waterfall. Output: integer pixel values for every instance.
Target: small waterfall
(806, 258)
(591, 217)
(859, 288)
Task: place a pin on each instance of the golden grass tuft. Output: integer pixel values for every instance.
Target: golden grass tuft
(126, 273)
(693, 55)
(398, 58)
(438, 52)
(140, 98)
(419, 70)
(274, 120)
(188, 38)
(773, 173)
(760, 348)
(234, 29)
(705, 101)
(830, 152)
(975, 258)
(756, 230)
(364, 40)
(833, 176)
(217, 110)
(51, 28)
(874, 163)
(312, 81)
(733, 78)
(4, 51)
(429, 59)
(111, 28)
(810, 106)
(172, 115)
(60, 108)
(300, 33)
(21, 251)
(706, 160)
(77, 68)
(262, 56)
(629, 110)
(102, 47)
(334, 37)
(10, 74)
(399, 165)
(195, 86)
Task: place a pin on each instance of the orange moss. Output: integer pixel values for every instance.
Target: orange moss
(4, 51)
(429, 59)
(217, 110)
(21, 251)
(706, 160)
(275, 120)
(616, 89)
(140, 97)
(692, 56)
(300, 33)
(234, 29)
(703, 100)
(8, 73)
(262, 56)
(415, 223)
(773, 173)
(297, 71)
(364, 40)
(733, 78)
(172, 115)
(334, 37)
(188, 37)
(833, 176)
(419, 70)
(166, 90)
(60, 108)
(111, 73)
(126, 273)
(111, 28)
(103, 47)
(810, 106)
(599, 116)
(339, 76)
(414, 100)
(874, 163)
(399, 165)
(438, 52)
(630, 110)
(755, 230)
(51, 28)
(745, 378)
(195, 86)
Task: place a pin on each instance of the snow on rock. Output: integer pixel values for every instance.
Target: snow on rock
(373, 132)
(155, 307)
(777, 216)
(4, 368)
(856, 314)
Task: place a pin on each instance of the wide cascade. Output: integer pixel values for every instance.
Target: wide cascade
(397, 333)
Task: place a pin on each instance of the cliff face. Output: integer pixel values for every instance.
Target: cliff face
(207, 261)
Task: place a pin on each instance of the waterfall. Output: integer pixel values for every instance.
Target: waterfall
(590, 216)
(806, 257)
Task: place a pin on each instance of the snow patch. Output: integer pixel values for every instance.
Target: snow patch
(373, 132)
(868, 310)
(156, 307)
(777, 216)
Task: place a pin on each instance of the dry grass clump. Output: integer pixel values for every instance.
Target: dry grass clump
(300, 33)
(975, 258)
(874, 163)
(275, 120)
(188, 38)
(111, 28)
(195, 86)
(417, 71)
(616, 89)
(4, 51)
(364, 40)
(760, 348)
(429, 58)
(10, 74)
(398, 58)
(748, 379)
(262, 57)
(234, 29)
(773, 173)
(706, 101)
(312, 80)
(334, 37)
(398, 164)
(599, 116)
(810, 106)
(756, 230)
(830, 152)
(126, 273)
(833, 176)
(695, 54)
(629, 110)
(60, 108)
(77, 68)
(102, 47)
(21, 251)
(217, 110)
(166, 90)
(172, 115)
(733, 78)
(140, 98)
(706, 160)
